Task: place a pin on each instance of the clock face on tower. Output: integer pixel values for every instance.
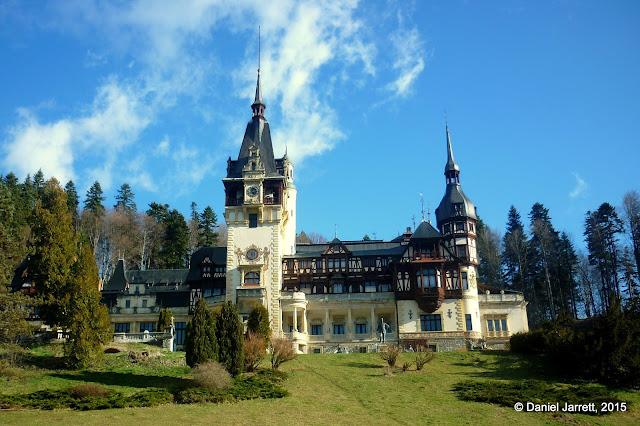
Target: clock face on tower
(252, 191)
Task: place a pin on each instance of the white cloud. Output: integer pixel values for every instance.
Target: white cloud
(163, 44)
(409, 61)
(581, 187)
(34, 146)
(114, 120)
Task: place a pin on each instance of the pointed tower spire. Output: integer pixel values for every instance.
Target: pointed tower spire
(451, 170)
(258, 106)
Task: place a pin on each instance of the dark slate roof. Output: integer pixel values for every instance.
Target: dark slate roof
(120, 277)
(218, 256)
(357, 248)
(451, 163)
(20, 275)
(426, 230)
(454, 195)
(257, 133)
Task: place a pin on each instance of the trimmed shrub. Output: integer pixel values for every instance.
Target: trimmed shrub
(390, 353)
(89, 389)
(255, 349)
(407, 365)
(229, 332)
(212, 375)
(200, 339)
(164, 319)
(282, 350)
(258, 322)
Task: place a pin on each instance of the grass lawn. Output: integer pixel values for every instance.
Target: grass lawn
(325, 389)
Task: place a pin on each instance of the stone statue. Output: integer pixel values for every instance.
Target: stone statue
(383, 328)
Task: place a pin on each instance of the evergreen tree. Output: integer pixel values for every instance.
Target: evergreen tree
(602, 228)
(72, 200)
(207, 228)
(366, 238)
(489, 268)
(38, 180)
(14, 307)
(88, 319)
(165, 319)
(230, 339)
(258, 322)
(514, 253)
(565, 271)
(200, 340)
(175, 246)
(93, 202)
(54, 252)
(542, 249)
(124, 199)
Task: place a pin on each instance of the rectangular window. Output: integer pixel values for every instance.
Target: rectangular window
(385, 287)
(459, 226)
(337, 288)
(361, 328)
(305, 288)
(489, 325)
(319, 265)
(253, 220)
(465, 283)
(316, 330)
(338, 328)
(496, 325)
(147, 326)
(431, 322)
(122, 327)
(504, 324)
(180, 330)
(144, 303)
(127, 303)
(369, 286)
(291, 329)
(467, 318)
(368, 262)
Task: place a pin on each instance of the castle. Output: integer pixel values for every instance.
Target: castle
(342, 295)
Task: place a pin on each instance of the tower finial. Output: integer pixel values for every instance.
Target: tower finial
(258, 106)
(429, 212)
(422, 201)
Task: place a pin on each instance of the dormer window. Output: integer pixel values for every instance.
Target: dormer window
(458, 209)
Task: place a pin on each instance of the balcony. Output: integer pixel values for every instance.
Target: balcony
(351, 297)
(235, 201)
(250, 292)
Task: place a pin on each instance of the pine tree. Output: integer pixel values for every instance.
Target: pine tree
(124, 199)
(175, 246)
(514, 253)
(200, 340)
(72, 200)
(207, 228)
(631, 215)
(93, 202)
(54, 252)
(88, 320)
(489, 268)
(38, 181)
(602, 228)
(230, 339)
(258, 322)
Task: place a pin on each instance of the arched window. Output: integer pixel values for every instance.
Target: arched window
(252, 278)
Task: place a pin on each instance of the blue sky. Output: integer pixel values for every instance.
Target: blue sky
(542, 101)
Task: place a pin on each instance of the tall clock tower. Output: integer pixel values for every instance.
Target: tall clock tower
(260, 201)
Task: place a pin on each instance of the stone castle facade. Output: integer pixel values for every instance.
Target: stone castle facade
(341, 295)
